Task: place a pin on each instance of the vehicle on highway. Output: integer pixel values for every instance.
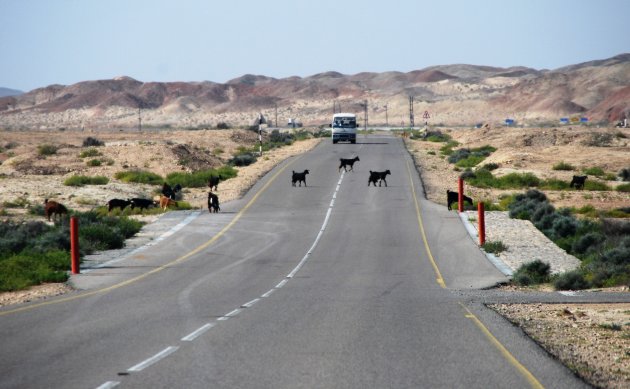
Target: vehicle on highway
(344, 128)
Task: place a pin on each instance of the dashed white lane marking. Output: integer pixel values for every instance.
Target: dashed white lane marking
(193, 335)
(251, 303)
(148, 362)
(109, 385)
(569, 293)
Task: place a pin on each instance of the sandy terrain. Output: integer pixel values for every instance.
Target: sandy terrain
(583, 336)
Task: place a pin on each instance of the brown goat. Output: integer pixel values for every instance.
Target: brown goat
(52, 208)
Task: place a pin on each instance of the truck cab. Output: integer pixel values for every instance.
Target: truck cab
(344, 128)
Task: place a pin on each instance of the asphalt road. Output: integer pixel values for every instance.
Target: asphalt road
(332, 285)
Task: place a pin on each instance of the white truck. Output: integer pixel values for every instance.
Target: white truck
(344, 127)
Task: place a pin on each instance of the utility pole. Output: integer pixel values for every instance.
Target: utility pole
(411, 122)
(365, 113)
(276, 115)
(386, 121)
(139, 119)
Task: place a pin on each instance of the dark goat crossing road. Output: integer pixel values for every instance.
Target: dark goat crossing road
(335, 285)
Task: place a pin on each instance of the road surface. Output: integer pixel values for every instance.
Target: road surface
(330, 285)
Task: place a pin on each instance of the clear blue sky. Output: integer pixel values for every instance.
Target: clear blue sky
(45, 42)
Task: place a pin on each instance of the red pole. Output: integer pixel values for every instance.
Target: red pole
(460, 196)
(481, 216)
(74, 245)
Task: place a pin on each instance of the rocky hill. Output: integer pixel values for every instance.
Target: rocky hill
(452, 94)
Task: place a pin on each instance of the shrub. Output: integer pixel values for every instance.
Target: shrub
(91, 152)
(243, 160)
(623, 188)
(47, 149)
(494, 247)
(22, 270)
(624, 174)
(94, 162)
(587, 242)
(571, 280)
(531, 273)
(594, 171)
(223, 126)
(595, 186)
(140, 177)
(92, 142)
(85, 180)
(199, 179)
(490, 166)
(563, 166)
(436, 136)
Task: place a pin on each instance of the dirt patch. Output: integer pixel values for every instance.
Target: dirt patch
(593, 340)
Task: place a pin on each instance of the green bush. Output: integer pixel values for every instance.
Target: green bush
(531, 273)
(623, 188)
(563, 166)
(594, 171)
(494, 247)
(624, 174)
(595, 186)
(571, 280)
(243, 160)
(91, 152)
(19, 271)
(85, 180)
(199, 179)
(94, 162)
(140, 177)
(47, 149)
(434, 136)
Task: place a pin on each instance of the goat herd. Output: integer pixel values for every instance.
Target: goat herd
(167, 198)
(375, 177)
(169, 194)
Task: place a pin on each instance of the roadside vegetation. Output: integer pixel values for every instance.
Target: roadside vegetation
(34, 252)
(602, 245)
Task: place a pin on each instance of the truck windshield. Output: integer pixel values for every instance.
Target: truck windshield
(344, 123)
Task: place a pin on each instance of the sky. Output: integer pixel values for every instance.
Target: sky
(44, 42)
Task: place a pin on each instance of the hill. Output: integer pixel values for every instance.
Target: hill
(454, 95)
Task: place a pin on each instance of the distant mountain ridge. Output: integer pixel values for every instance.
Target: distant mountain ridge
(457, 94)
(9, 92)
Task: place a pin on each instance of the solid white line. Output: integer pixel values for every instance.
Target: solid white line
(109, 385)
(249, 304)
(193, 335)
(161, 355)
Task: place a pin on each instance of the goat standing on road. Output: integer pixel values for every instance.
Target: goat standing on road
(378, 176)
(299, 177)
(348, 162)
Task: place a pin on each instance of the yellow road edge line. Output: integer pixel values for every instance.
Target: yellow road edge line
(440, 279)
(162, 267)
(533, 382)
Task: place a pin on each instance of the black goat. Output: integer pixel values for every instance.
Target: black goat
(299, 177)
(578, 182)
(378, 176)
(169, 192)
(348, 162)
(213, 203)
(142, 203)
(453, 197)
(117, 203)
(213, 182)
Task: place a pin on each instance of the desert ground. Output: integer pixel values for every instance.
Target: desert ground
(578, 334)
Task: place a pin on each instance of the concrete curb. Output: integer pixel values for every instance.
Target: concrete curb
(496, 261)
